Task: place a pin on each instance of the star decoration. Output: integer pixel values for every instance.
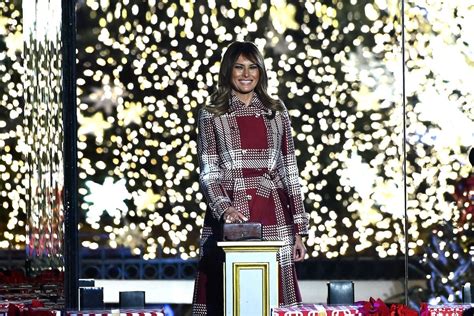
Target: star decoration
(107, 197)
(132, 113)
(129, 236)
(283, 16)
(105, 98)
(94, 125)
(145, 200)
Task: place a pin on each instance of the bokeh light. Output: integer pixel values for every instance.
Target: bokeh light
(144, 68)
(12, 165)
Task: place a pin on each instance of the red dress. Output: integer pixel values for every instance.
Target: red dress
(247, 160)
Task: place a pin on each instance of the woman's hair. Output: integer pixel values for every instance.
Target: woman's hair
(219, 100)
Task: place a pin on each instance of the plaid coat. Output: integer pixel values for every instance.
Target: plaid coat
(247, 160)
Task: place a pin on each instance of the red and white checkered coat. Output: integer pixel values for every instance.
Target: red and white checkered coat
(247, 160)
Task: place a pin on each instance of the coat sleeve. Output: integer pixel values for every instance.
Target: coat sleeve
(300, 217)
(210, 174)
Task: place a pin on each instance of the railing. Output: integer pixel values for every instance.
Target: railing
(121, 264)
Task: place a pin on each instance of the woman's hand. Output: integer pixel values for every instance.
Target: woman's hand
(299, 249)
(231, 215)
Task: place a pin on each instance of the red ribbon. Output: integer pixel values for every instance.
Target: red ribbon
(402, 310)
(373, 307)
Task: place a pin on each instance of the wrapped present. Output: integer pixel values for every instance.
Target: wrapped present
(118, 312)
(444, 310)
(7, 304)
(43, 311)
(340, 310)
(316, 310)
(16, 310)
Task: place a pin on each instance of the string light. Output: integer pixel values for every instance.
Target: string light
(145, 68)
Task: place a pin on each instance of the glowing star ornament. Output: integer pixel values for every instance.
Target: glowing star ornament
(132, 113)
(145, 200)
(283, 16)
(105, 98)
(131, 236)
(95, 125)
(108, 197)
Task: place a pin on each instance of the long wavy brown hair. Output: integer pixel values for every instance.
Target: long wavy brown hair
(219, 100)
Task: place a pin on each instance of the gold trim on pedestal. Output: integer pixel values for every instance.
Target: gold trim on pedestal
(225, 290)
(263, 266)
(250, 249)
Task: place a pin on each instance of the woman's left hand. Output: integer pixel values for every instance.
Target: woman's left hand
(299, 249)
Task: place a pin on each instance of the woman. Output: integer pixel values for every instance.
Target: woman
(248, 172)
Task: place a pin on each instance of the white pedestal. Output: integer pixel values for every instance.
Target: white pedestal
(250, 277)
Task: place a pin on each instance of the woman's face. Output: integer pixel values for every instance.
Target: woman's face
(245, 75)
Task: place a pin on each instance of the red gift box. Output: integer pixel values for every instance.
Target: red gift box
(444, 310)
(316, 310)
(43, 311)
(117, 312)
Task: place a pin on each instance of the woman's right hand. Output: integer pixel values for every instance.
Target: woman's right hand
(231, 215)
